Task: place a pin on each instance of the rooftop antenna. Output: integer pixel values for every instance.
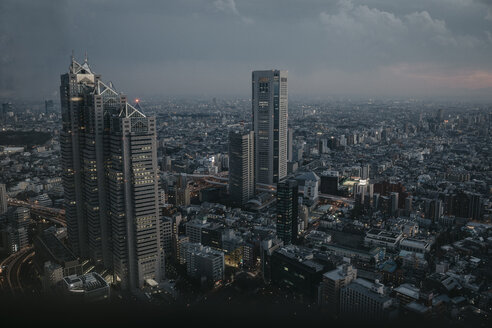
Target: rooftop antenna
(85, 59)
(72, 62)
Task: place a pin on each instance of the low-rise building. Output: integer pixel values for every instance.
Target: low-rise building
(333, 282)
(203, 262)
(364, 300)
(378, 237)
(415, 245)
(90, 287)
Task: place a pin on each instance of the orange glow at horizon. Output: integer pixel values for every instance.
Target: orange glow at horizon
(469, 79)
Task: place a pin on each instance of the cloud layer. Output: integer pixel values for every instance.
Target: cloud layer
(209, 47)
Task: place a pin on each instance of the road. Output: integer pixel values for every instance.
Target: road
(55, 215)
(222, 181)
(11, 274)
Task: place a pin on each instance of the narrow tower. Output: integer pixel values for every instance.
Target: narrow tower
(270, 112)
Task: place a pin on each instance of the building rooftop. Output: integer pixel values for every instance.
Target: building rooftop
(408, 290)
(85, 283)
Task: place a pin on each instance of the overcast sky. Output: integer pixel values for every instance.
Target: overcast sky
(375, 48)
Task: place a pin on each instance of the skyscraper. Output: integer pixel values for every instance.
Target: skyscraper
(270, 113)
(182, 191)
(3, 199)
(18, 220)
(394, 203)
(287, 211)
(290, 141)
(6, 108)
(110, 178)
(241, 166)
(48, 106)
(365, 171)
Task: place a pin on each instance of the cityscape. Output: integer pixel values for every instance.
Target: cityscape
(243, 203)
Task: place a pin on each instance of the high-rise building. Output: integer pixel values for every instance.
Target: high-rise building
(323, 146)
(6, 109)
(17, 228)
(394, 203)
(3, 199)
(166, 234)
(434, 209)
(182, 191)
(329, 182)
(241, 167)
(408, 205)
(287, 211)
(270, 114)
(49, 106)
(290, 145)
(110, 177)
(440, 114)
(365, 171)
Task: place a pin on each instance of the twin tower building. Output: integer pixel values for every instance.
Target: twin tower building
(111, 175)
(110, 178)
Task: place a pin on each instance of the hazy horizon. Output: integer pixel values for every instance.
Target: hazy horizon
(426, 49)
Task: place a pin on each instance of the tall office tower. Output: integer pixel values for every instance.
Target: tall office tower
(290, 146)
(6, 109)
(323, 146)
(365, 191)
(241, 166)
(408, 205)
(110, 178)
(440, 114)
(365, 172)
(270, 113)
(48, 106)
(435, 210)
(475, 206)
(394, 203)
(182, 190)
(18, 220)
(3, 199)
(287, 211)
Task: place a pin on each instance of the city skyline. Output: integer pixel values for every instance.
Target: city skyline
(244, 161)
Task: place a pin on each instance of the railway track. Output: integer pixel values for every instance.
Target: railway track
(13, 265)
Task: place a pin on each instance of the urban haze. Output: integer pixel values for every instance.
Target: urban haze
(246, 162)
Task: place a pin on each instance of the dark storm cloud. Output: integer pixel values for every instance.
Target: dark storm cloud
(380, 47)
